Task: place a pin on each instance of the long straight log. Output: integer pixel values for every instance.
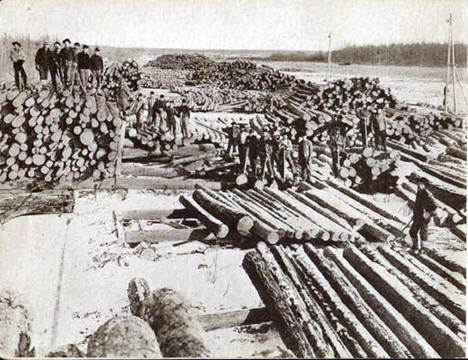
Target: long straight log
(281, 298)
(433, 330)
(360, 308)
(131, 169)
(215, 225)
(167, 235)
(418, 346)
(235, 219)
(127, 182)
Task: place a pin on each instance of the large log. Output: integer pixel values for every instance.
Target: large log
(177, 330)
(167, 235)
(432, 329)
(284, 303)
(124, 337)
(128, 182)
(360, 308)
(212, 223)
(418, 346)
(235, 219)
(140, 170)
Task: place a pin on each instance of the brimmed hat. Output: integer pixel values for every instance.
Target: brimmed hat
(76, 44)
(85, 46)
(57, 43)
(16, 43)
(66, 41)
(96, 49)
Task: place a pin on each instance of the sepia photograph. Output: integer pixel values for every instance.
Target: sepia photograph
(233, 178)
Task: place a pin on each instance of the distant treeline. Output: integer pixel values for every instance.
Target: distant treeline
(420, 54)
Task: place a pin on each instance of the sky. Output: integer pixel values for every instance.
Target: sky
(236, 24)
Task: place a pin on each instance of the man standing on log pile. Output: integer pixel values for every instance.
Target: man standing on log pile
(286, 149)
(337, 142)
(306, 152)
(243, 154)
(364, 116)
(55, 66)
(265, 150)
(157, 110)
(150, 101)
(171, 119)
(84, 67)
(75, 72)
(97, 67)
(42, 61)
(184, 112)
(17, 57)
(233, 139)
(252, 144)
(423, 210)
(67, 58)
(380, 128)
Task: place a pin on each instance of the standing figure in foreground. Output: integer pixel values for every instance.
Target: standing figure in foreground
(67, 59)
(42, 62)
(423, 210)
(97, 67)
(55, 66)
(184, 119)
(252, 145)
(84, 67)
(380, 129)
(233, 139)
(364, 124)
(17, 57)
(150, 103)
(306, 152)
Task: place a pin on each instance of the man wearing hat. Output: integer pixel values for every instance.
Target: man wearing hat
(286, 147)
(265, 151)
(97, 66)
(252, 144)
(54, 66)
(243, 154)
(67, 60)
(158, 108)
(306, 152)
(171, 119)
(380, 128)
(364, 116)
(423, 210)
(233, 139)
(84, 66)
(42, 61)
(17, 57)
(184, 112)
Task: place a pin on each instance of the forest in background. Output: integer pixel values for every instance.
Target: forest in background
(418, 54)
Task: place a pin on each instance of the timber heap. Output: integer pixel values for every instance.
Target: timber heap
(63, 137)
(180, 62)
(362, 301)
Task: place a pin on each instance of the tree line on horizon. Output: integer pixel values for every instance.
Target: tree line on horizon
(417, 54)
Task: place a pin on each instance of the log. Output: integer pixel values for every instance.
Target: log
(177, 330)
(235, 219)
(167, 235)
(431, 328)
(146, 170)
(127, 182)
(281, 298)
(229, 319)
(418, 346)
(213, 224)
(124, 337)
(351, 297)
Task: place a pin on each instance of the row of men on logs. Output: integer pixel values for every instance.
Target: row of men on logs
(67, 66)
(274, 148)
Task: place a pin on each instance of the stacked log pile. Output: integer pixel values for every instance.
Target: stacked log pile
(180, 62)
(242, 75)
(360, 302)
(58, 137)
(156, 78)
(128, 71)
(208, 98)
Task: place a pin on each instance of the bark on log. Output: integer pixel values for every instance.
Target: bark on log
(124, 337)
(235, 219)
(281, 298)
(433, 330)
(212, 223)
(418, 346)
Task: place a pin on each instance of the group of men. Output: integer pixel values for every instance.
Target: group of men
(66, 65)
(163, 115)
(269, 152)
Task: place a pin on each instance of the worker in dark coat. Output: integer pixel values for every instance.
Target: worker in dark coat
(55, 67)
(306, 152)
(68, 60)
(243, 154)
(233, 139)
(380, 129)
(423, 210)
(84, 66)
(158, 107)
(252, 143)
(97, 66)
(265, 150)
(364, 116)
(171, 120)
(184, 112)
(42, 62)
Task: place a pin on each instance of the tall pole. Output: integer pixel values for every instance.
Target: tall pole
(453, 67)
(329, 55)
(448, 65)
